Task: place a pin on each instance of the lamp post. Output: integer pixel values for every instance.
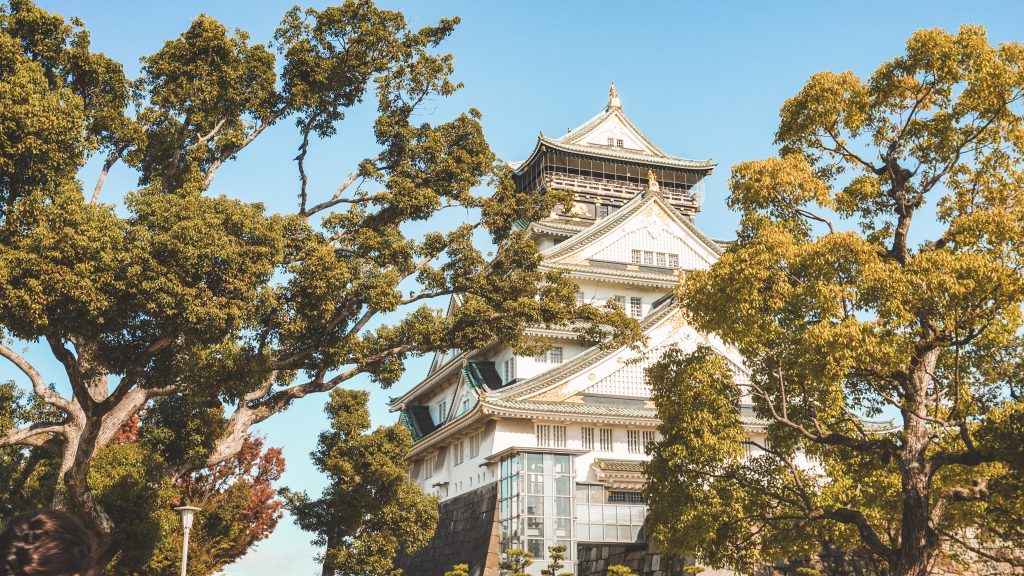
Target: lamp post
(187, 513)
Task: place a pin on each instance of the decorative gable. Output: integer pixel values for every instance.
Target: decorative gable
(646, 224)
(613, 132)
(630, 380)
(649, 241)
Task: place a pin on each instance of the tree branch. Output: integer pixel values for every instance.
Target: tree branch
(212, 170)
(36, 435)
(39, 387)
(867, 532)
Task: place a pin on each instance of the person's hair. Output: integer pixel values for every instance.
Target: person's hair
(45, 543)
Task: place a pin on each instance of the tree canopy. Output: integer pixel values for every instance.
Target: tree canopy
(877, 276)
(371, 510)
(173, 295)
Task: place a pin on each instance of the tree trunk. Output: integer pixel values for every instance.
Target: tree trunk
(918, 541)
(328, 569)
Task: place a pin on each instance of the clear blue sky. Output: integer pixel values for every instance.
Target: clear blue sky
(702, 79)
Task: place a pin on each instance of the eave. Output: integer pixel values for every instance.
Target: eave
(441, 373)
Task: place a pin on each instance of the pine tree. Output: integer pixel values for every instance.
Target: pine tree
(516, 561)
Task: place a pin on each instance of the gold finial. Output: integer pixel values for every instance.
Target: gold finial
(613, 98)
(652, 182)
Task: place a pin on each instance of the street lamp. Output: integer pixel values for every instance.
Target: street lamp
(187, 512)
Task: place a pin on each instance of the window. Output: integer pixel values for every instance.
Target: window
(620, 301)
(551, 436)
(647, 437)
(457, 449)
(509, 367)
(428, 467)
(648, 258)
(605, 440)
(635, 256)
(611, 141)
(554, 356)
(543, 434)
(625, 498)
(748, 449)
(604, 210)
(662, 257)
(633, 442)
(673, 260)
(442, 411)
(587, 436)
(618, 142)
(636, 307)
(474, 445)
(558, 436)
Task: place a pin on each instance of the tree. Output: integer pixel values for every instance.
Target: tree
(516, 561)
(619, 570)
(370, 510)
(240, 505)
(556, 554)
(186, 298)
(877, 274)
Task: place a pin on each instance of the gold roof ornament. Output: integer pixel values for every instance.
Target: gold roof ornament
(652, 182)
(613, 98)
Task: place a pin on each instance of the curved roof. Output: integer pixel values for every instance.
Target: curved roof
(643, 150)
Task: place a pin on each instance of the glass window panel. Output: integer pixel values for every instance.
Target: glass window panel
(563, 485)
(611, 532)
(515, 507)
(535, 462)
(535, 547)
(535, 527)
(582, 513)
(581, 493)
(506, 508)
(506, 488)
(625, 533)
(596, 494)
(622, 514)
(535, 505)
(596, 532)
(535, 484)
(637, 514)
(563, 507)
(583, 531)
(563, 463)
(516, 463)
(563, 527)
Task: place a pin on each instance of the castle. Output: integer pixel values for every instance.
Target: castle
(532, 452)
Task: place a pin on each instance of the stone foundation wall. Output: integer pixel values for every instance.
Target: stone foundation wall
(467, 533)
